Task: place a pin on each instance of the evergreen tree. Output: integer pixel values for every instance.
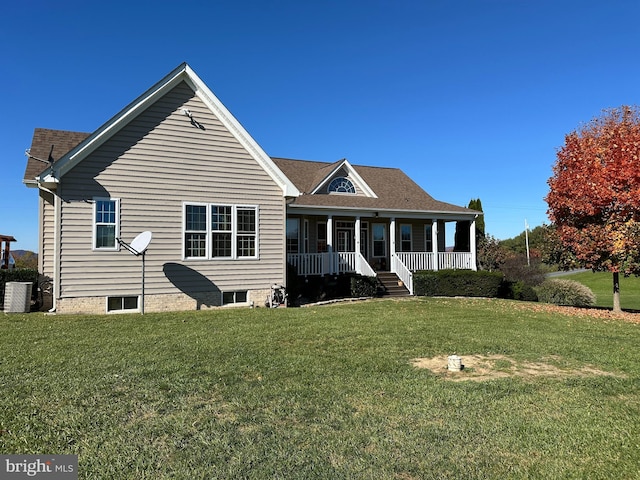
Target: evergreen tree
(476, 204)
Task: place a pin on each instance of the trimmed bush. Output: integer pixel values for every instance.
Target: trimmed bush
(362, 286)
(425, 283)
(315, 288)
(451, 283)
(565, 292)
(518, 291)
(19, 275)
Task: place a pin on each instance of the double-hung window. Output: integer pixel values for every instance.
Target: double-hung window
(246, 232)
(220, 231)
(379, 240)
(195, 234)
(322, 237)
(428, 238)
(293, 235)
(106, 219)
(405, 238)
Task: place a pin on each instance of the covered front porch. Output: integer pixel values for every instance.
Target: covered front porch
(334, 245)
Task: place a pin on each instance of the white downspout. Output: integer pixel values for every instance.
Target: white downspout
(56, 246)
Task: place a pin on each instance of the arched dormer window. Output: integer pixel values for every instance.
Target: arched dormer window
(341, 185)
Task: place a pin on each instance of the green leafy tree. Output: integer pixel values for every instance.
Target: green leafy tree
(491, 256)
(518, 244)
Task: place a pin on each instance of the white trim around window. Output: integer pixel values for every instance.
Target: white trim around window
(218, 231)
(379, 240)
(428, 237)
(406, 237)
(105, 224)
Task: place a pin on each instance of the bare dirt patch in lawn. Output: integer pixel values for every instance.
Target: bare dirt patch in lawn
(488, 367)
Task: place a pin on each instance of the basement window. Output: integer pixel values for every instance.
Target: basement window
(122, 304)
(229, 298)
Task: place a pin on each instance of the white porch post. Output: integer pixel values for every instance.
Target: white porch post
(330, 242)
(392, 237)
(472, 244)
(357, 246)
(434, 242)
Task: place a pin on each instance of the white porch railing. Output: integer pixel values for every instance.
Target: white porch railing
(445, 260)
(364, 268)
(353, 262)
(403, 272)
(455, 260)
(330, 263)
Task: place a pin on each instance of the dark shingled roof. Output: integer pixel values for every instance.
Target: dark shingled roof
(49, 145)
(395, 190)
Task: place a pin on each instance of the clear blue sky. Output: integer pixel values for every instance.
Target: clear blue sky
(471, 98)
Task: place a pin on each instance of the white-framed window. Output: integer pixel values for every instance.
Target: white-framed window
(379, 240)
(229, 298)
(122, 304)
(305, 236)
(341, 185)
(195, 231)
(428, 237)
(405, 238)
(246, 232)
(321, 240)
(220, 231)
(106, 223)
(364, 239)
(293, 235)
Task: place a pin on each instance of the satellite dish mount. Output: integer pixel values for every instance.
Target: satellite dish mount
(138, 247)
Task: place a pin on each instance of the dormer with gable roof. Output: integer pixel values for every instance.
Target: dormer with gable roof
(342, 178)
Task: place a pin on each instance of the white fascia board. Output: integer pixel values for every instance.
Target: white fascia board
(238, 131)
(382, 213)
(110, 128)
(359, 180)
(352, 173)
(182, 72)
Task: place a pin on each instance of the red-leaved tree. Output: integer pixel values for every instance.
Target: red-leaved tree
(594, 197)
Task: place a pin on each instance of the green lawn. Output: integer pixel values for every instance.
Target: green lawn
(322, 392)
(601, 283)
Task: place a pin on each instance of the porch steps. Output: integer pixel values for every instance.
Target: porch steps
(389, 282)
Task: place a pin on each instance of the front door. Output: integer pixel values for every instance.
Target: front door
(345, 236)
(380, 246)
(345, 240)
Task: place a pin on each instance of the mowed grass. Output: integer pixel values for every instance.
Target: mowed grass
(321, 392)
(601, 283)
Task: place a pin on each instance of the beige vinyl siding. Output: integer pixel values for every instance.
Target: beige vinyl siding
(417, 234)
(153, 165)
(46, 254)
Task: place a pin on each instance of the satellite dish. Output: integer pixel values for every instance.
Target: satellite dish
(141, 242)
(138, 246)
